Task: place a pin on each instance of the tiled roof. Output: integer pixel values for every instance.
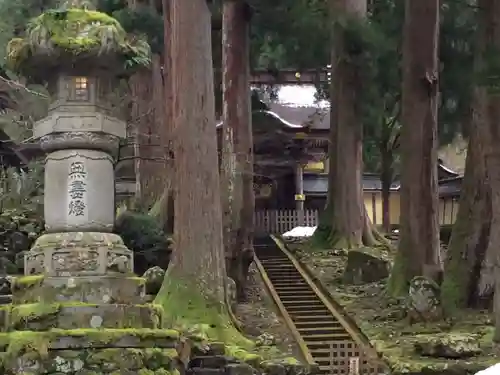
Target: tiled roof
(315, 117)
(317, 184)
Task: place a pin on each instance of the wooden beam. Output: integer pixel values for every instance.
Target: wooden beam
(288, 77)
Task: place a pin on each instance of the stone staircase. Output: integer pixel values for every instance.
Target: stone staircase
(330, 344)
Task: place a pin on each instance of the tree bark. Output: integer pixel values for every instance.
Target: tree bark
(490, 273)
(470, 234)
(345, 222)
(165, 203)
(237, 141)
(419, 241)
(152, 165)
(193, 292)
(140, 90)
(386, 178)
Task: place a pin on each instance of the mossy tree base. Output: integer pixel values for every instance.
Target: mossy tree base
(329, 236)
(192, 311)
(204, 320)
(398, 282)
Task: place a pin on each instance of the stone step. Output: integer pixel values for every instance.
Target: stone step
(87, 289)
(59, 339)
(123, 361)
(42, 317)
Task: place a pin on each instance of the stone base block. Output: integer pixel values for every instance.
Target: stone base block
(58, 339)
(42, 317)
(79, 254)
(86, 289)
(123, 361)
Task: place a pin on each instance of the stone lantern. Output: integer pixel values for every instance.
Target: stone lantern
(79, 274)
(81, 136)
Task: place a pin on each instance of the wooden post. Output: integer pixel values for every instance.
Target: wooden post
(299, 193)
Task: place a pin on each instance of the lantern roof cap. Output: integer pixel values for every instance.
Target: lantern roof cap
(70, 39)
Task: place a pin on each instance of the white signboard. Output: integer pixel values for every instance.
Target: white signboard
(354, 366)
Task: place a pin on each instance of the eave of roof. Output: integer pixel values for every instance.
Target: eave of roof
(275, 116)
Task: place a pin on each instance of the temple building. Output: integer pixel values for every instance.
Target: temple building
(291, 166)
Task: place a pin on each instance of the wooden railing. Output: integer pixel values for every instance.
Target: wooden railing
(281, 221)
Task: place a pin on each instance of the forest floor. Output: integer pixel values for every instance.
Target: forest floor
(258, 315)
(383, 321)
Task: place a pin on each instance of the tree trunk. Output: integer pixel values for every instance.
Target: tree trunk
(148, 115)
(471, 230)
(345, 222)
(140, 90)
(193, 292)
(419, 241)
(166, 202)
(237, 141)
(490, 273)
(386, 178)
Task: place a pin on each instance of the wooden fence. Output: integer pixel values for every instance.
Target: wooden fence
(281, 221)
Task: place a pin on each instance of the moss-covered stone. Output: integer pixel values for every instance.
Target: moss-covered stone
(101, 361)
(365, 267)
(89, 338)
(424, 300)
(41, 317)
(447, 345)
(105, 289)
(75, 350)
(57, 37)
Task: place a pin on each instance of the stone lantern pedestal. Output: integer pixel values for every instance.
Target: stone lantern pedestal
(80, 309)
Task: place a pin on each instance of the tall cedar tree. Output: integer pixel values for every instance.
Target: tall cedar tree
(237, 144)
(193, 292)
(147, 92)
(490, 96)
(345, 222)
(463, 273)
(419, 241)
(164, 206)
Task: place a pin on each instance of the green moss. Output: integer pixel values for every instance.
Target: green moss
(455, 288)
(28, 281)
(140, 280)
(21, 342)
(398, 282)
(243, 355)
(323, 236)
(36, 345)
(33, 289)
(75, 33)
(32, 311)
(197, 314)
(18, 341)
(109, 335)
(260, 357)
(23, 314)
(55, 240)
